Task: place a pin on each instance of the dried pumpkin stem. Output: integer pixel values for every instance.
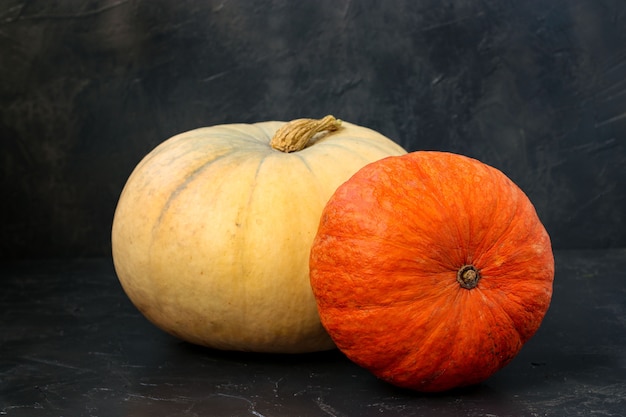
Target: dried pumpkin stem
(468, 276)
(294, 135)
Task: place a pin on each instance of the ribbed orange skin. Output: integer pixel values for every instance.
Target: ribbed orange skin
(384, 270)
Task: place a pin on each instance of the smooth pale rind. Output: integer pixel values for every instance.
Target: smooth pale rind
(212, 233)
(384, 270)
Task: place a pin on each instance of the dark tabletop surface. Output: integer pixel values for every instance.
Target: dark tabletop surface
(73, 345)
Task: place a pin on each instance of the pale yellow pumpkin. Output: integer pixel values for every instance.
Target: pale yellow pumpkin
(212, 232)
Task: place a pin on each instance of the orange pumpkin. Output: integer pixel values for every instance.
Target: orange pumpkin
(431, 270)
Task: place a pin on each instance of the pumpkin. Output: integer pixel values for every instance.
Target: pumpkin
(431, 270)
(212, 232)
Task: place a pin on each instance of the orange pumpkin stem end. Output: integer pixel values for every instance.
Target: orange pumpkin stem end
(468, 276)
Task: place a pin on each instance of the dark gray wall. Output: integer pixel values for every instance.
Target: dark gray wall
(87, 88)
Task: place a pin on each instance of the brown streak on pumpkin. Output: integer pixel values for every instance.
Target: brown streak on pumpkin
(182, 186)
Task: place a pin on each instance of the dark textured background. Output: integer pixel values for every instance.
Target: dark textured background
(87, 88)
